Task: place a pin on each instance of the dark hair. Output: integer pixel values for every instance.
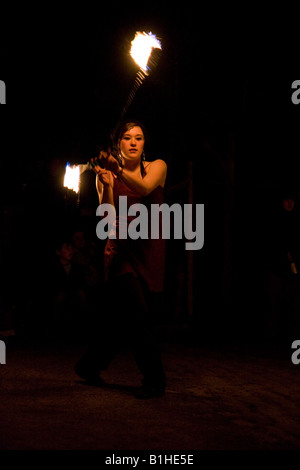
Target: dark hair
(129, 124)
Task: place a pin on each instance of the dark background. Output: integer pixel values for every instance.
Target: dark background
(218, 105)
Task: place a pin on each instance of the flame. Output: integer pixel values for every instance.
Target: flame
(71, 180)
(141, 48)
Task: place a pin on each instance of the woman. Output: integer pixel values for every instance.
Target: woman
(134, 268)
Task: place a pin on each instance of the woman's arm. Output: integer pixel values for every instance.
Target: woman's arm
(155, 175)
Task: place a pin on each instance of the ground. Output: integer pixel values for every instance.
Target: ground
(218, 397)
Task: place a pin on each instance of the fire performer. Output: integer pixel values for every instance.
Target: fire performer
(134, 268)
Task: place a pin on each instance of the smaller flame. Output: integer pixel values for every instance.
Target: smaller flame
(141, 48)
(72, 175)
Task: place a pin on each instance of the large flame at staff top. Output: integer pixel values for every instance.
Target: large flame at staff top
(72, 177)
(141, 49)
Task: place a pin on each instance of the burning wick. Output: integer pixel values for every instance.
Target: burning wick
(145, 51)
(72, 176)
(141, 49)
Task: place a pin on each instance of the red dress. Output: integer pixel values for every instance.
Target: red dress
(144, 258)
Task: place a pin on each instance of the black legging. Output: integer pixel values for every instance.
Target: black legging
(124, 319)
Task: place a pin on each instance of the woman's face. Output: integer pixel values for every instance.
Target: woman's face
(132, 143)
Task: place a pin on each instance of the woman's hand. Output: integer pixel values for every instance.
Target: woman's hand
(112, 164)
(104, 185)
(106, 161)
(109, 162)
(104, 176)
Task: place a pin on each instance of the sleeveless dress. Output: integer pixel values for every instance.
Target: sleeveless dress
(144, 258)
